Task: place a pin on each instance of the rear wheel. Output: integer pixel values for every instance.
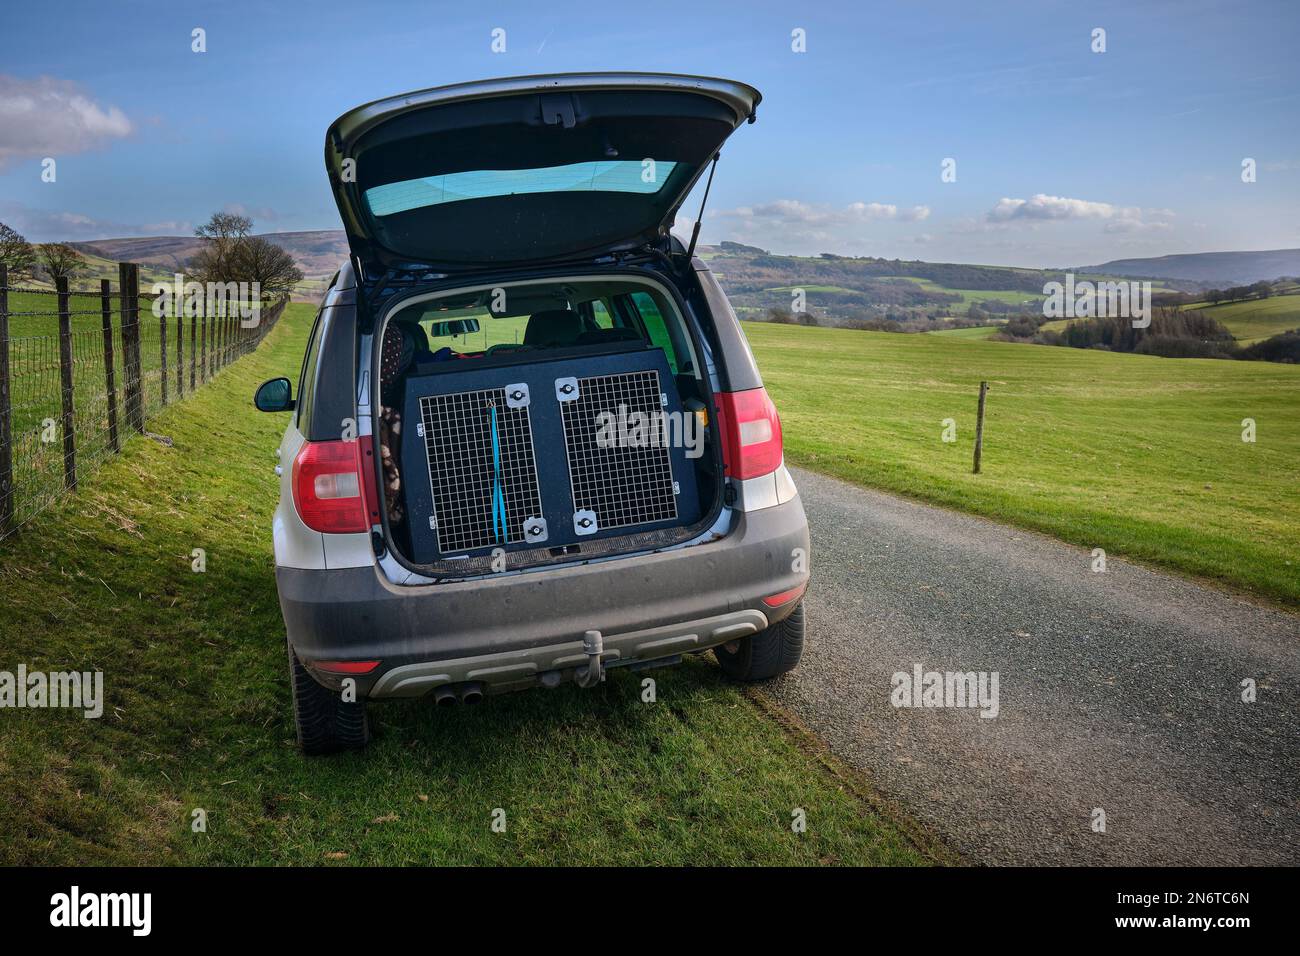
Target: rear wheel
(765, 654)
(324, 721)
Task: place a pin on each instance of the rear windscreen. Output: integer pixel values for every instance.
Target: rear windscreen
(617, 176)
(495, 181)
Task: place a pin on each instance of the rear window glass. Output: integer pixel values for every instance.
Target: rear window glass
(654, 325)
(620, 176)
(609, 314)
(307, 378)
(600, 313)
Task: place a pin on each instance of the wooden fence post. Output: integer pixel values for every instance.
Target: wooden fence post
(110, 376)
(194, 348)
(132, 388)
(6, 425)
(203, 365)
(180, 354)
(979, 427)
(162, 350)
(65, 379)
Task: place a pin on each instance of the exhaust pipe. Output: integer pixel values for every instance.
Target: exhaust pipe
(471, 693)
(444, 696)
(591, 675)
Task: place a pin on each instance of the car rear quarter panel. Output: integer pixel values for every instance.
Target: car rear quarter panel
(736, 366)
(296, 545)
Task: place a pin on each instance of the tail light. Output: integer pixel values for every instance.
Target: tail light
(334, 485)
(344, 668)
(785, 597)
(751, 433)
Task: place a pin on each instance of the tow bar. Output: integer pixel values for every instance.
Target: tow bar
(592, 674)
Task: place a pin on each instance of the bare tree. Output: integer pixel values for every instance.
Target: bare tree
(225, 225)
(15, 251)
(259, 260)
(224, 231)
(60, 260)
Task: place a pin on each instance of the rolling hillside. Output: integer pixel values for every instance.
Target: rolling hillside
(1254, 320)
(1230, 268)
(840, 289)
(318, 253)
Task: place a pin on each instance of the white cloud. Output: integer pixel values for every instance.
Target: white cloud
(1044, 208)
(52, 117)
(871, 210)
(1136, 225)
(796, 212)
(48, 225)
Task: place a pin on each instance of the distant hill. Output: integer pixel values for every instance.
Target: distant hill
(902, 294)
(1227, 268)
(318, 253)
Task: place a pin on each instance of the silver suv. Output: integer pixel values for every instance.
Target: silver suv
(530, 442)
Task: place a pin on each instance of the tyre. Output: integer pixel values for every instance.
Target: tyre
(325, 722)
(767, 653)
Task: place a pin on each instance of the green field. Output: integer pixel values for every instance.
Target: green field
(1254, 320)
(198, 714)
(979, 296)
(1138, 455)
(968, 296)
(976, 333)
(1249, 321)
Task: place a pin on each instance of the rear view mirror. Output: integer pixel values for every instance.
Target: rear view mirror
(453, 327)
(275, 395)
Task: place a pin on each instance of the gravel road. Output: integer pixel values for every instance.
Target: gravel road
(1119, 691)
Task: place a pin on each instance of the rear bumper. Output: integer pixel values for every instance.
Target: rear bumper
(508, 631)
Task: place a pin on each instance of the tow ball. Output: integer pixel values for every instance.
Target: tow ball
(593, 645)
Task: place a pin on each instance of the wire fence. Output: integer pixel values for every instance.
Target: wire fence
(80, 371)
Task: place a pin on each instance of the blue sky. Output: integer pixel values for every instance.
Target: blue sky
(1063, 156)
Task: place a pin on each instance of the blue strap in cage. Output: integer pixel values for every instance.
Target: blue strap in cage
(499, 526)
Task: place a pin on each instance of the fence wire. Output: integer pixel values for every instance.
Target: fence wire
(71, 391)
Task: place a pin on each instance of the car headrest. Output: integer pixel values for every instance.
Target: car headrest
(553, 327)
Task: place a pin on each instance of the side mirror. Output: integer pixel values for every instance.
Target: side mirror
(275, 395)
